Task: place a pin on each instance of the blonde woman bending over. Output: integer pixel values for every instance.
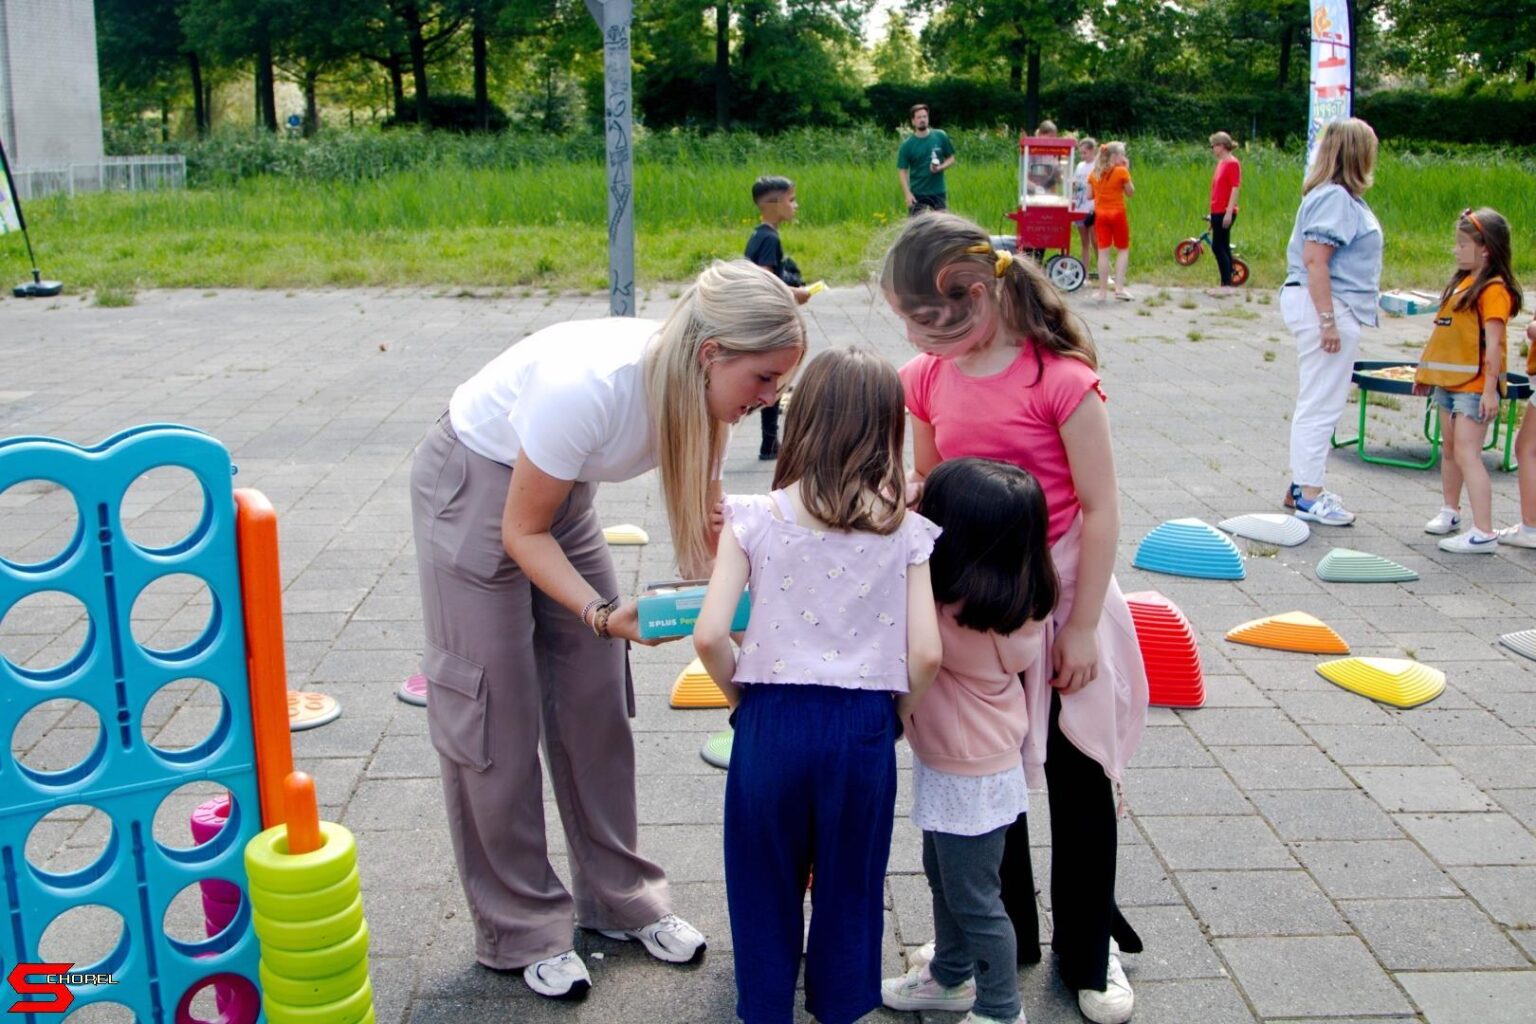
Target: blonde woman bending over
(525, 626)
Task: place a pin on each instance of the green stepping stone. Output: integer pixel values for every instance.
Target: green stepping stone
(717, 749)
(1341, 565)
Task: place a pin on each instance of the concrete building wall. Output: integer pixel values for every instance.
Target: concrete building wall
(50, 93)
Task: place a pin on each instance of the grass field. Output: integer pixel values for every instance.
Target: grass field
(540, 224)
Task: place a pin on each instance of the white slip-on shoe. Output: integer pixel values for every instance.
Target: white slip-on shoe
(1116, 1002)
(1445, 521)
(916, 990)
(559, 977)
(975, 1018)
(671, 939)
(1473, 542)
(1518, 536)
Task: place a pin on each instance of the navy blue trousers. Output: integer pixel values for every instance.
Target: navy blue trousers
(812, 785)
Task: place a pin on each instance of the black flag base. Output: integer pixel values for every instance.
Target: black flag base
(37, 288)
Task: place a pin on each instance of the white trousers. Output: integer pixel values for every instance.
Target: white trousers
(1323, 382)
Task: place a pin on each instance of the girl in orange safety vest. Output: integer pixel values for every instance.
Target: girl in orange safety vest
(1462, 370)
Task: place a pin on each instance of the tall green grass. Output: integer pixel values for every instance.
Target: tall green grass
(491, 214)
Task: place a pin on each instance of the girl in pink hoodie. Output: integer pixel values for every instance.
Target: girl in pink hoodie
(995, 587)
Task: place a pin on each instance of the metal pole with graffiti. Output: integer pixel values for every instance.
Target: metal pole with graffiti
(11, 219)
(613, 18)
(1331, 92)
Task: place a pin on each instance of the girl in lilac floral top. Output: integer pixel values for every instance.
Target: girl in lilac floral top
(843, 629)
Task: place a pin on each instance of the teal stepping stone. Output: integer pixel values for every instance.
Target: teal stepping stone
(1190, 547)
(1342, 565)
(717, 749)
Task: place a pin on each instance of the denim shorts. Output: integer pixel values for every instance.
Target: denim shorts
(1459, 403)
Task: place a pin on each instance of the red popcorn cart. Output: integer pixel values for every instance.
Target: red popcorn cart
(1045, 219)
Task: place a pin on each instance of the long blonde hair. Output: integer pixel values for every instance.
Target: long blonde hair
(938, 256)
(843, 437)
(745, 311)
(1107, 154)
(1346, 155)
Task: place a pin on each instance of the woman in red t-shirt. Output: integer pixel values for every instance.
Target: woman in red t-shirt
(1224, 184)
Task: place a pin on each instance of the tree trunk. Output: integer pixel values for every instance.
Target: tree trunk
(1287, 40)
(396, 84)
(482, 93)
(199, 103)
(264, 80)
(1032, 88)
(165, 119)
(412, 18)
(722, 65)
(311, 107)
(1530, 71)
(1016, 65)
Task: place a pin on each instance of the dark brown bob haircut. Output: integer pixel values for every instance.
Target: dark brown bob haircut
(843, 436)
(993, 559)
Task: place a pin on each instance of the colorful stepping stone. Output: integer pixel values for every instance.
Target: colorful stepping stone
(414, 690)
(625, 534)
(694, 689)
(1291, 631)
(717, 749)
(1342, 565)
(1394, 681)
(1190, 547)
(1522, 643)
(1269, 528)
(1169, 650)
(308, 710)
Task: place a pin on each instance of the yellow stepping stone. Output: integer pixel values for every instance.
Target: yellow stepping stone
(1394, 681)
(694, 689)
(625, 533)
(1292, 631)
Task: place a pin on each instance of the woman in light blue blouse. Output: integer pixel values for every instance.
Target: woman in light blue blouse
(1332, 282)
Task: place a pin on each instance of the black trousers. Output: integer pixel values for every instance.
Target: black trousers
(1221, 246)
(770, 420)
(1083, 842)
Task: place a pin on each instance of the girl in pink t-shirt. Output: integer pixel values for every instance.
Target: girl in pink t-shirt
(843, 632)
(1007, 372)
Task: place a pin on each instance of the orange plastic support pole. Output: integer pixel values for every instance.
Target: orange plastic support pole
(303, 813)
(261, 590)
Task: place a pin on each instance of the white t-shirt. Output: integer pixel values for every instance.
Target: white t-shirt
(572, 396)
(1082, 196)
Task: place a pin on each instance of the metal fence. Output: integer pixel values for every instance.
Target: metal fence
(112, 173)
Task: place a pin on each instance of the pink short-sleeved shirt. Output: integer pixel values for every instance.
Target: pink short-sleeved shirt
(1014, 416)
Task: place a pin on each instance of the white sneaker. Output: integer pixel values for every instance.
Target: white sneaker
(921, 956)
(671, 939)
(975, 1018)
(1116, 1003)
(1518, 536)
(559, 977)
(1445, 521)
(1326, 509)
(1473, 542)
(916, 990)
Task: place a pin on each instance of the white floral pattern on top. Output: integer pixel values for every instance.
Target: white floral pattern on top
(966, 805)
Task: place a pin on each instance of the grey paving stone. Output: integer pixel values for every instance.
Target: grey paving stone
(1460, 728)
(1260, 903)
(1324, 814)
(1526, 937)
(1183, 791)
(1519, 802)
(1431, 934)
(1336, 708)
(1428, 788)
(1237, 726)
(396, 804)
(1233, 691)
(1209, 1001)
(681, 799)
(1175, 947)
(1281, 768)
(1323, 976)
(1471, 839)
(405, 757)
(1372, 744)
(1170, 748)
(1511, 767)
(1238, 843)
(1377, 868)
(1484, 997)
(1507, 894)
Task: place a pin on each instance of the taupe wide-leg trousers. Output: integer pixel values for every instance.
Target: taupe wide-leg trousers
(509, 667)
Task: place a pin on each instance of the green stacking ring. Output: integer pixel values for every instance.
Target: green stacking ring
(350, 1010)
(270, 866)
(316, 933)
(313, 991)
(318, 963)
(285, 906)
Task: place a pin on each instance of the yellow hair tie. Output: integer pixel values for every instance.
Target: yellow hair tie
(1004, 258)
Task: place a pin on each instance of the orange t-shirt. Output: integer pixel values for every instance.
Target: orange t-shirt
(1494, 304)
(1109, 191)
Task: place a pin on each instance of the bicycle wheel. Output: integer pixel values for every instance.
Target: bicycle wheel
(1187, 251)
(1239, 272)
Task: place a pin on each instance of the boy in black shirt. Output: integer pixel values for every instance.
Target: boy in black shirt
(775, 199)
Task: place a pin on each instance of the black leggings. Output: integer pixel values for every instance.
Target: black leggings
(1221, 246)
(1083, 841)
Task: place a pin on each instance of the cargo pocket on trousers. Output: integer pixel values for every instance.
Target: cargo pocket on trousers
(456, 717)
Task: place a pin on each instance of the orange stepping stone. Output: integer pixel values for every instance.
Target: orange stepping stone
(694, 689)
(1292, 631)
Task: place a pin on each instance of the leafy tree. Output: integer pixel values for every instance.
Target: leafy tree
(897, 58)
(1438, 37)
(143, 54)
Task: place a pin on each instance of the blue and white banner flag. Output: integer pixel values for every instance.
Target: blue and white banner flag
(10, 208)
(1331, 91)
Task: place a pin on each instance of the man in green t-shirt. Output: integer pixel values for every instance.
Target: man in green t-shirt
(921, 162)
